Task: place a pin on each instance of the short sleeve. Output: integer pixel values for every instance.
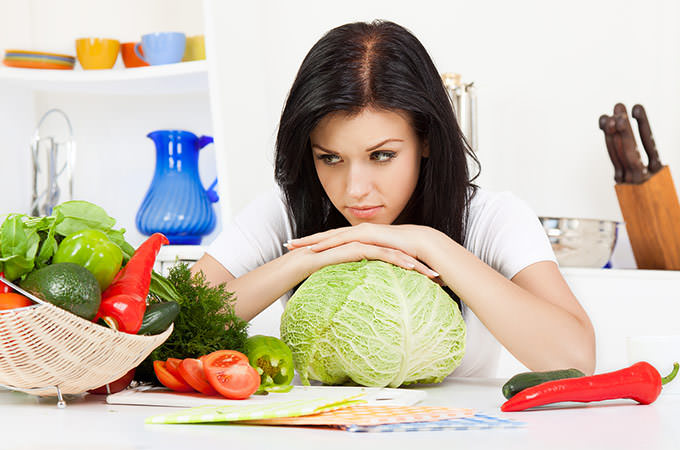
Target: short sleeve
(505, 233)
(255, 236)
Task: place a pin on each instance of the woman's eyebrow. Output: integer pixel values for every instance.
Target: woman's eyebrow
(373, 147)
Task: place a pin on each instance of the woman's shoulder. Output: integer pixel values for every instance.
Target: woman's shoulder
(485, 202)
(505, 232)
(268, 210)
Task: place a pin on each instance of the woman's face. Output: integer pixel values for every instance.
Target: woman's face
(368, 163)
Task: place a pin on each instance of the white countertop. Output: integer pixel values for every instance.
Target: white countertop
(86, 423)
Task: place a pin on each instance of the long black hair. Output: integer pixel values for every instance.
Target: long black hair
(383, 66)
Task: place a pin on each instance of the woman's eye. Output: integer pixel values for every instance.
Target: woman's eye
(382, 156)
(329, 159)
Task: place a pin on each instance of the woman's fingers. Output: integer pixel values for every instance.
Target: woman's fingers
(371, 234)
(355, 251)
(313, 238)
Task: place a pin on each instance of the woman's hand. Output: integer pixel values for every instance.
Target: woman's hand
(396, 244)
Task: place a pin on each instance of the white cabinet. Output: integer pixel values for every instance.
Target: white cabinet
(170, 79)
(111, 111)
(620, 303)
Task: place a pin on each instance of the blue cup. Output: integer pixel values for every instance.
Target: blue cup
(162, 48)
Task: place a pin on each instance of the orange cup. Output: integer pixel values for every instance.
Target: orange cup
(130, 59)
(97, 53)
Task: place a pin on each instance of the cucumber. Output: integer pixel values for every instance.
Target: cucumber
(158, 317)
(525, 380)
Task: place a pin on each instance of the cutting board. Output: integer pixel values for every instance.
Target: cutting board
(158, 396)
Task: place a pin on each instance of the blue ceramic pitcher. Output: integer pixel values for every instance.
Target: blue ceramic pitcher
(176, 203)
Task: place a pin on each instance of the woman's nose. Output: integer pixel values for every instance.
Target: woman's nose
(359, 182)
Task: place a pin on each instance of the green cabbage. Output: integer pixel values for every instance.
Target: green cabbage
(374, 324)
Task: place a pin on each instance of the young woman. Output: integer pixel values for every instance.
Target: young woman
(371, 164)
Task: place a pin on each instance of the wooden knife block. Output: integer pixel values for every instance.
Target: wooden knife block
(652, 215)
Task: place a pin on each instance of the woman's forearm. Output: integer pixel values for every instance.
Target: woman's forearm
(539, 333)
(259, 288)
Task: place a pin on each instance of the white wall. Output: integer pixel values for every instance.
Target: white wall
(545, 72)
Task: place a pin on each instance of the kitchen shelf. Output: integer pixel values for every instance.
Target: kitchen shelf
(184, 77)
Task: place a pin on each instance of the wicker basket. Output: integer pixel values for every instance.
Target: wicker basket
(43, 347)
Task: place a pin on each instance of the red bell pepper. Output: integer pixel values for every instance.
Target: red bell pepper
(124, 301)
(4, 289)
(640, 382)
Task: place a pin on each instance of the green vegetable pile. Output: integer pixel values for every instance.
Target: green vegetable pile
(28, 243)
(373, 324)
(206, 322)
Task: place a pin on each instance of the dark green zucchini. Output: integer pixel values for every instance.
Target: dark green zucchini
(525, 380)
(158, 317)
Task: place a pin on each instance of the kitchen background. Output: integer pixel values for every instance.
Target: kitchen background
(544, 74)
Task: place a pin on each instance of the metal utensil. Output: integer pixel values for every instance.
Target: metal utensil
(654, 163)
(464, 100)
(581, 242)
(46, 154)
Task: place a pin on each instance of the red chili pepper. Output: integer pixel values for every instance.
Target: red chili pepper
(640, 382)
(124, 301)
(4, 289)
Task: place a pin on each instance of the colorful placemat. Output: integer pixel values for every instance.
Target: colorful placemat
(367, 415)
(232, 413)
(477, 422)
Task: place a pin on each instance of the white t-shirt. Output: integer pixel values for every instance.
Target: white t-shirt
(502, 231)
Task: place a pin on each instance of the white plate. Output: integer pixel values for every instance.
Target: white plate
(157, 396)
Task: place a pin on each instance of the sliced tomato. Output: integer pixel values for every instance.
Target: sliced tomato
(192, 371)
(172, 365)
(168, 380)
(11, 300)
(230, 373)
(226, 357)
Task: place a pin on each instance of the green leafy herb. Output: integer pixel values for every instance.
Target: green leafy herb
(206, 321)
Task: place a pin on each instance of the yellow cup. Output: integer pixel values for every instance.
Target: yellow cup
(195, 48)
(97, 53)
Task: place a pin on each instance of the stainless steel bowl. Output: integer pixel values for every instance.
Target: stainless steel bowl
(581, 242)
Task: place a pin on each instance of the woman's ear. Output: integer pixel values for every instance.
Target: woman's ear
(426, 149)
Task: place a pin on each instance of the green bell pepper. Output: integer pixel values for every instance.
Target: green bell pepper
(93, 250)
(273, 360)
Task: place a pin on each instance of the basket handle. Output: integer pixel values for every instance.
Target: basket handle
(23, 292)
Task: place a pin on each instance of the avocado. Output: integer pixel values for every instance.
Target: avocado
(68, 286)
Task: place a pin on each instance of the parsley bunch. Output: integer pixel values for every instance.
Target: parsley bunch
(206, 321)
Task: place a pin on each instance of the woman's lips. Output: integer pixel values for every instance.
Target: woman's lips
(364, 213)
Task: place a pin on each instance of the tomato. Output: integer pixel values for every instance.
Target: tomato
(172, 366)
(115, 386)
(230, 373)
(227, 357)
(11, 300)
(168, 380)
(192, 371)
(4, 289)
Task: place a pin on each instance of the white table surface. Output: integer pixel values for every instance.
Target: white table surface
(87, 423)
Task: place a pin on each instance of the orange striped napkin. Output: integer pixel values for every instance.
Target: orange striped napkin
(370, 415)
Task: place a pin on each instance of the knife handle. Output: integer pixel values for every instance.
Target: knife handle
(654, 164)
(610, 129)
(630, 150)
(611, 149)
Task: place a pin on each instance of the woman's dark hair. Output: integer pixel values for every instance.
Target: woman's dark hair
(383, 66)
